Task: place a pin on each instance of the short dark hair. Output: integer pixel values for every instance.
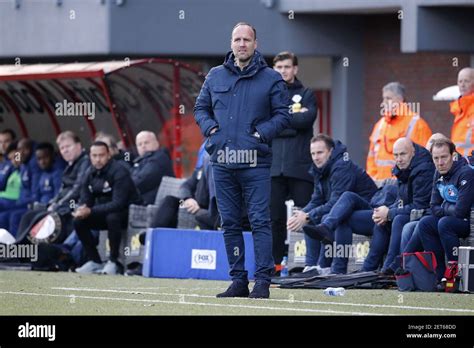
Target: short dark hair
(249, 25)
(100, 143)
(12, 147)
(330, 144)
(46, 146)
(9, 131)
(27, 142)
(444, 142)
(284, 56)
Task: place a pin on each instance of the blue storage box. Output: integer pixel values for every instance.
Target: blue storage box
(198, 254)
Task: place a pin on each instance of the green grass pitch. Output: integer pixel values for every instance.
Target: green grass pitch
(42, 293)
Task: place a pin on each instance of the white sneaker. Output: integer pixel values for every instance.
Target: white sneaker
(89, 267)
(324, 271)
(109, 268)
(321, 271)
(310, 268)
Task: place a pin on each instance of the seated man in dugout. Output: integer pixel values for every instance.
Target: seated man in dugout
(107, 191)
(11, 191)
(7, 137)
(30, 173)
(151, 166)
(334, 173)
(414, 171)
(198, 199)
(451, 202)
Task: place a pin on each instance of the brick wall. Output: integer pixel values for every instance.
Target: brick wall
(423, 74)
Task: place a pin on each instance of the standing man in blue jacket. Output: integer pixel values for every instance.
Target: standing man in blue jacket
(451, 201)
(242, 106)
(291, 158)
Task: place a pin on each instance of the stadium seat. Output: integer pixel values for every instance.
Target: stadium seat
(469, 241)
(186, 220)
(297, 251)
(139, 218)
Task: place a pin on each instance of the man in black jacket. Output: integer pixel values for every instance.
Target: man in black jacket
(107, 191)
(78, 162)
(414, 171)
(149, 168)
(451, 201)
(196, 199)
(291, 159)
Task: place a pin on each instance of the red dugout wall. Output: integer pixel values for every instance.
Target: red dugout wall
(128, 96)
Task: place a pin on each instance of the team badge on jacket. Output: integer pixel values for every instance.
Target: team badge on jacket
(107, 187)
(448, 192)
(296, 106)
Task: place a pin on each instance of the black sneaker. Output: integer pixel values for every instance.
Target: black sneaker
(319, 232)
(134, 268)
(261, 289)
(236, 289)
(388, 272)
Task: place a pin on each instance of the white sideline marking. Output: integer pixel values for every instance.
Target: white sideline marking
(189, 303)
(275, 300)
(166, 287)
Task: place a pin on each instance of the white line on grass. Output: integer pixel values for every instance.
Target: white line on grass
(190, 303)
(274, 300)
(166, 287)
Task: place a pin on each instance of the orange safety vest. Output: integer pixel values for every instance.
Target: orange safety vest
(462, 133)
(386, 131)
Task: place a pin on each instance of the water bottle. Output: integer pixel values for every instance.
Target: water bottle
(284, 267)
(335, 291)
